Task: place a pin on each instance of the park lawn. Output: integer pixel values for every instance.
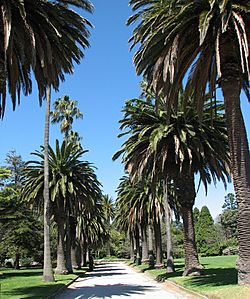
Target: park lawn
(27, 283)
(219, 279)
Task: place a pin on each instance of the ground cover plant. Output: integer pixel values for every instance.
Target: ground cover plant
(219, 279)
(26, 283)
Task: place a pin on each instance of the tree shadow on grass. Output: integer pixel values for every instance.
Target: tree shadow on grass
(215, 277)
(211, 277)
(34, 292)
(20, 273)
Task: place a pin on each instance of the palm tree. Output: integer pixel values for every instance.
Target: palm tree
(91, 227)
(176, 150)
(209, 42)
(108, 209)
(73, 185)
(137, 205)
(65, 110)
(43, 36)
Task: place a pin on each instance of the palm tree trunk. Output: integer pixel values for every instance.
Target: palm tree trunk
(170, 257)
(91, 261)
(78, 248)
(137, 244)
(132, 246)
(150, 237)
(73, 250)
(240, 165)
(68, 246)
(158, 240)
(47, 265)
(192, 265)
(61, 261)
(83, 250)
(186, 197)
(108, 247)
(144, 244)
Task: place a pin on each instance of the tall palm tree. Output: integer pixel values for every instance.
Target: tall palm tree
(108, 209)
(65, 110)
(72, 185)
(209, 41)
(175, 149)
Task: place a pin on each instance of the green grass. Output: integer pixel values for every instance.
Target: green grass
(219, 279)
(27, 283)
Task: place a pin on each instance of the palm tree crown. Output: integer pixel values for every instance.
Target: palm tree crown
(43, 36)
(174, 35)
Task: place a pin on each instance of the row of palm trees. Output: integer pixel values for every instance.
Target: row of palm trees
(75, 201)
(203, 45)
(46, 38)
(162, 157)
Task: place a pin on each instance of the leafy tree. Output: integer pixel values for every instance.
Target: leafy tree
(15, 164)
(196, 214)
(206, 42)
(206, 234)
(20, 229)
(228, 217)
(177, 234)
(230, 202)
(21, 234)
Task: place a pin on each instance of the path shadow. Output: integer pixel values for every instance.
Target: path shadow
(106, 291)
(104, 270)
(104, 273)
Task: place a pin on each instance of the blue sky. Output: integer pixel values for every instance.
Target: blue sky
(101, 84)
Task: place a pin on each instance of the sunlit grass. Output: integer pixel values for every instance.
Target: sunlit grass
(219, 279)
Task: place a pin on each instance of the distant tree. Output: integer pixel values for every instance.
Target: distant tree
(65, 110)
(15, 164)
(206, 238)
(196, 214)
(228, 218)
(230, 202)
(177, 234)
(20, 230)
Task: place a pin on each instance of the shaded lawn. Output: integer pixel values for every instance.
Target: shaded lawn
(219, 279)
(27, 283)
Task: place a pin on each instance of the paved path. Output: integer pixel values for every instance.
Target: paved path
(117, 280)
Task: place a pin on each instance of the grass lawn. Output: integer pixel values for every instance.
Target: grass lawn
(219, 279)
(27, 283)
